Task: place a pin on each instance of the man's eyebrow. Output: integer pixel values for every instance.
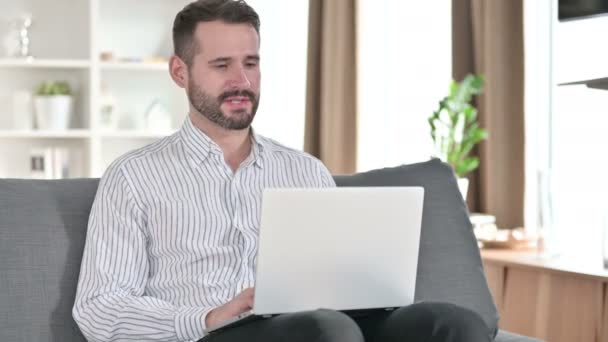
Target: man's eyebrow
(220, 59)
(228, 59)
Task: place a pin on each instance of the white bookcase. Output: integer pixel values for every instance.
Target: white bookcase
(67, 39)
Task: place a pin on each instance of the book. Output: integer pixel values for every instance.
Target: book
(50, 163)
(41, 163)
(61, 163)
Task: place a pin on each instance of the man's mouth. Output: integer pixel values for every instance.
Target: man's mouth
(237, 102)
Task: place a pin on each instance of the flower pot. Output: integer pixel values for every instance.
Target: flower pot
(463, 186)
(53, 112)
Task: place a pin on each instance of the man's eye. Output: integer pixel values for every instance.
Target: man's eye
(251, 65)
(221, 66)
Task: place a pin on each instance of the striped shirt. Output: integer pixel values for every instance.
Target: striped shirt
(173, 233)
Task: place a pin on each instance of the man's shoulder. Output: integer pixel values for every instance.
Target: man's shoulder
(317, 173)
(291, 157)
(282, 151)
(144, 155)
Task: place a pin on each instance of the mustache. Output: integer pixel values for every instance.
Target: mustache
(245, 93)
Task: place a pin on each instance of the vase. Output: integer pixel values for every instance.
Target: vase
(53, 112)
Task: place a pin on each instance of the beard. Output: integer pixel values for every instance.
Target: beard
(210, 107)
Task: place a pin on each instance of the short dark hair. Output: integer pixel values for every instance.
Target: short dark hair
(184, 25)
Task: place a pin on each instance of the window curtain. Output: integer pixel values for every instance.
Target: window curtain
(331, 113)
(488, 39)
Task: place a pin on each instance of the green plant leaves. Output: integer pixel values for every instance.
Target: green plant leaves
(466, 165)
(470, 113)
(53, 88)
(454, 127)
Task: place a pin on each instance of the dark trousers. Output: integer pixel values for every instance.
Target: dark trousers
(420, 322)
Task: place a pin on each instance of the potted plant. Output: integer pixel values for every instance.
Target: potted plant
(53, 104)
(455, 129)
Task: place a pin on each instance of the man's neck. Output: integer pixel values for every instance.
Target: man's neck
(235, 144)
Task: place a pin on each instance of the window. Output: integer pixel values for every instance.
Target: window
(284, 45)
(405, 68)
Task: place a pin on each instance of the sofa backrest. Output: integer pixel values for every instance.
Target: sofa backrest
(42, 233)
(449, 262)
(43, 227)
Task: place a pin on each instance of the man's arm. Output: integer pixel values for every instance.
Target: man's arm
(110, 302)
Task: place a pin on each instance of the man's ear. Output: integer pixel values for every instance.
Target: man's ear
(179, 71)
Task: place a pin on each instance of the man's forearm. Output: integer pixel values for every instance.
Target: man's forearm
(118, 317)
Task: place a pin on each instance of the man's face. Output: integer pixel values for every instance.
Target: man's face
(224, 77)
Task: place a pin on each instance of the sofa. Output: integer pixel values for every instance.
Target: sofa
(43, 225)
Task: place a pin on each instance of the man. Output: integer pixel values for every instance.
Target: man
(173, 233)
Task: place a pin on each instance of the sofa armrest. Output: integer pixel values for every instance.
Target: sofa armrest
(504, 336)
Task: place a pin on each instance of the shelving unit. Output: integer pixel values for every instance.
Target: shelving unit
(143, 66)
(45, 134)
(136, 134)
(44, 63)
(70, 50)
(581, 61)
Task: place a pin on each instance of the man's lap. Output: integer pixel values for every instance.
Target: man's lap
(446, 322)
(318, 325)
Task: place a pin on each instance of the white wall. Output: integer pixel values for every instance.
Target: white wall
(566, 126)
(59, 28)
(580, 50)
(579, 131)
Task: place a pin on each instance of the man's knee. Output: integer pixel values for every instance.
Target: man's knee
(324, 326)
(439, 321)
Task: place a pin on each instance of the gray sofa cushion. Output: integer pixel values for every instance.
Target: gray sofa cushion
(42, 233)
(449, 266)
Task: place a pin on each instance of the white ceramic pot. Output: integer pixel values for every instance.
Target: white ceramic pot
(53, 112)
(463, 186)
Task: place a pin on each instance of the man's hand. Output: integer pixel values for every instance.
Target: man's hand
(239, 304)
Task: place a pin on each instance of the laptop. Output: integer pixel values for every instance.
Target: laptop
(346, 249)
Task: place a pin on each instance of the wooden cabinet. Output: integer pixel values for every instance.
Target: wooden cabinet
(555, 299)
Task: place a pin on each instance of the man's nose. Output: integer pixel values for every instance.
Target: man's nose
(239, 79)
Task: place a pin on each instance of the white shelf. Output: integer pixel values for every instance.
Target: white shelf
(136, 134)
(46, 134)
(45, 63)
(136, 66)
(83, 133)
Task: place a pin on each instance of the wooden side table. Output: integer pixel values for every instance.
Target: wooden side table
(555, 299)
